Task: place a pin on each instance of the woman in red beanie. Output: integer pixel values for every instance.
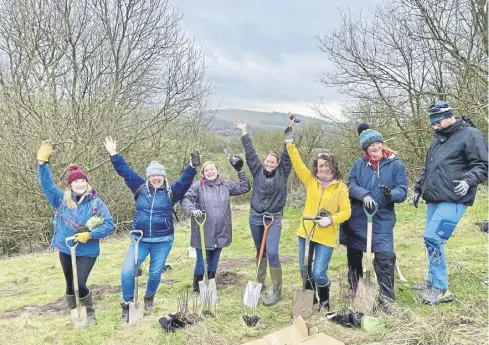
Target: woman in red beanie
(79, 212)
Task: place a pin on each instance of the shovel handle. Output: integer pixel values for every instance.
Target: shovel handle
(305, 265)
(368, 256)
(139, 234)
(265, 234)
(370, 216)
(202, 242)
(71, 238)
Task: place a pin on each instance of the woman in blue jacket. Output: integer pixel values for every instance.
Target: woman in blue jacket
(78, 212)
(154, 216)
(378, 179)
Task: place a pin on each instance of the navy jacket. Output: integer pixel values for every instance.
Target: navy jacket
(153, 206)
(363, 180)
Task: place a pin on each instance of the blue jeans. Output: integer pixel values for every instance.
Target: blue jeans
(441, 220)
(322, 256)
(273, 238)
(212, 257)
(158, 253)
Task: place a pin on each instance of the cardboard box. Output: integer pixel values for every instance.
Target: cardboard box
(299, 333)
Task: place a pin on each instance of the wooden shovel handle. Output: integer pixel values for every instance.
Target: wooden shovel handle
(265, 233)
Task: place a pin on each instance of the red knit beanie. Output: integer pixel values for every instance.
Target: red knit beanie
(74, 173)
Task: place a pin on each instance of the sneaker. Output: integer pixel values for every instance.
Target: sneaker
(435, 296)
(421, 287)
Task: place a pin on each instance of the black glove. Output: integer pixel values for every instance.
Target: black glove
(416, 197)
(386, 192)
(236, 162)
(369, 202)
(195, 159)
(296, 119)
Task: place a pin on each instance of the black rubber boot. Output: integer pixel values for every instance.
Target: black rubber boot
(323, 292)
(125, 312)
(211, 274)
(88, 302)
(148, 303)
(197, 279)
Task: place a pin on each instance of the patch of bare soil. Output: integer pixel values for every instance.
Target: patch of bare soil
(226, 278)
(99, 291)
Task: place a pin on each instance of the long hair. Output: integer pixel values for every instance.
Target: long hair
(330, 158)
(69, 200)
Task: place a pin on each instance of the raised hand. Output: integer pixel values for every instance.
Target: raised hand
(110, 145)
(240, 125)
(45, 151)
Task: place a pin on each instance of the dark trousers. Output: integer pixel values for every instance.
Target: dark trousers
(384, 266)
(84, 265)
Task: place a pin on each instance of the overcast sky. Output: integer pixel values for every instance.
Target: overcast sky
(262, 54)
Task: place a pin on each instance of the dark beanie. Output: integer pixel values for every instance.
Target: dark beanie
(361, 127)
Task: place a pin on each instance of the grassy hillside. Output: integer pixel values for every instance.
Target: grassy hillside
(257, 120)
(32, 310)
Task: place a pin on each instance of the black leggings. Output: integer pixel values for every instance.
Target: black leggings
(84, 265)
(384, 265)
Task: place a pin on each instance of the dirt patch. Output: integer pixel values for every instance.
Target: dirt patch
(169, 281)
(99, 291)
(227, 264)
(226, 278)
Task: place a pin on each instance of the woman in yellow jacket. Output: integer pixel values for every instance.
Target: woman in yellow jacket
(327, 197)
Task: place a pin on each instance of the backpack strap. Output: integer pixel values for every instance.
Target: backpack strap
(138, 191)
(170, 196)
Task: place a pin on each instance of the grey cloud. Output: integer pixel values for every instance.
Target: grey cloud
(264, 50)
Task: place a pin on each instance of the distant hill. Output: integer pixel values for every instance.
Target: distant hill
(256, 120)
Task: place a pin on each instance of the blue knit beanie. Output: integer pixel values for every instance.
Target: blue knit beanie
(368, 137)
(155, 168)
(438, 111)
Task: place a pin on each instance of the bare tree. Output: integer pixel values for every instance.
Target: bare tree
(392, 66)
(76, 71)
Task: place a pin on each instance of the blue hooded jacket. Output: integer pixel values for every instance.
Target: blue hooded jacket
(66, 220)
(154, 209)
(363, 180)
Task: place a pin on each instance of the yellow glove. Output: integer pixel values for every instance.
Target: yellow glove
(94, 222)
(83, 237)
(45, 151)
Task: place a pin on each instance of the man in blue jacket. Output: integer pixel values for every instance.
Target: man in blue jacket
(154, 207)
(456, 163)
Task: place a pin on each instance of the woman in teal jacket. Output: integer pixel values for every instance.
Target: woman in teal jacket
(79, 212)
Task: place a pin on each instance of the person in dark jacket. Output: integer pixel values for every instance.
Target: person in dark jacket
(78, 212)
(378, 179)
(456, 163)
(268, 198)
(211, 194)
(154, 207)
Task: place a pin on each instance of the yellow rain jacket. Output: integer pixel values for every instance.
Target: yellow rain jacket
(334, 198)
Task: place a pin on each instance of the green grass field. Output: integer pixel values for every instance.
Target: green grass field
(32, 310)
